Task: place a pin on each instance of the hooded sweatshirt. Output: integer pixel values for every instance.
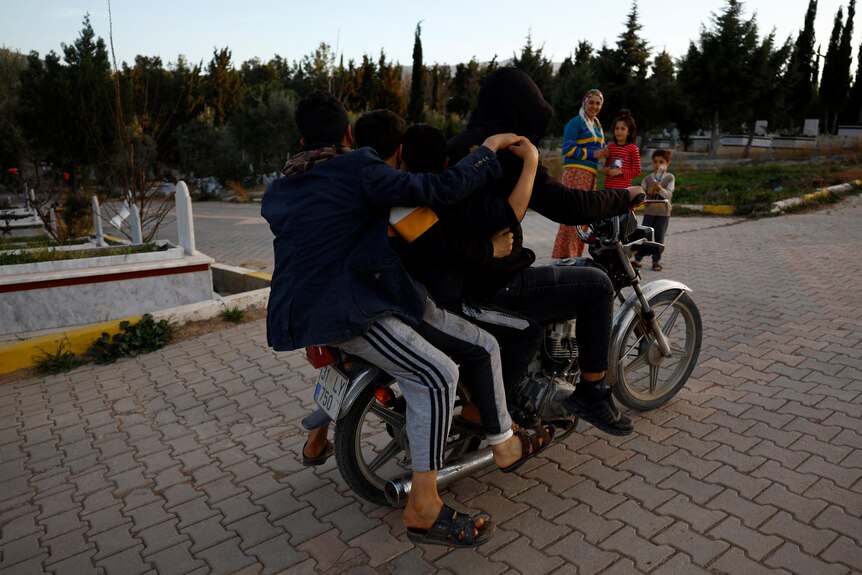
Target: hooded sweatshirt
(510, 101)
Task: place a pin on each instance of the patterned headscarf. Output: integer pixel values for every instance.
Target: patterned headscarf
(582, 113)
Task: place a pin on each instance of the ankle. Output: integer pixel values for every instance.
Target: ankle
(591, 390)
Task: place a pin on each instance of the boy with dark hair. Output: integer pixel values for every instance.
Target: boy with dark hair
(337, 282)
(659, 185)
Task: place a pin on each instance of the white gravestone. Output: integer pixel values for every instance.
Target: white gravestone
(185, 224)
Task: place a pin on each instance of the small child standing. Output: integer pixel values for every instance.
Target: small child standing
(658, 185)
(624, 159)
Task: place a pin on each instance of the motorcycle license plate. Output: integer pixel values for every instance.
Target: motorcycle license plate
(330, 391)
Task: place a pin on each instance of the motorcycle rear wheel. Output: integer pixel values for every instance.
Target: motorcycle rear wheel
(371, 445)
(646, 379)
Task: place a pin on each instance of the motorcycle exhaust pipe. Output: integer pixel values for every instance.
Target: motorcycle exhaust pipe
(398, 488)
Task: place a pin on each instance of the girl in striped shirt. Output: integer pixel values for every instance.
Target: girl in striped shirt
(624, 159)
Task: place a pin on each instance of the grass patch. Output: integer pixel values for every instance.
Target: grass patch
(749, 186)
(49, 254)
(232, 314)
(60, 361)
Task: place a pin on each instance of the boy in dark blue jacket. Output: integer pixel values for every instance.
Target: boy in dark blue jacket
(337, 282)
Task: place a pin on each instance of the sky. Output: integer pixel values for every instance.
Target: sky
(452, 31)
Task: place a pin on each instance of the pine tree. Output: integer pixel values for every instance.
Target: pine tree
(416, 109)
(533, 62)
(800, 80)
(830, 81)
(575, 76)
(845, 61)
(854, 102)
(714, 73)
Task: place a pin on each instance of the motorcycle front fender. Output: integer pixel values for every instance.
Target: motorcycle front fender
(626, 314)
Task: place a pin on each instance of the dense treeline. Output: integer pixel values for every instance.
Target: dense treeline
(120, 126)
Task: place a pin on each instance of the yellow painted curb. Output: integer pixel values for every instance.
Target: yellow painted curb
(719, 210)
(260, 275)
(19, 354)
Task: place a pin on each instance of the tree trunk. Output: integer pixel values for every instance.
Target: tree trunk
(715, 140)
(747, 151)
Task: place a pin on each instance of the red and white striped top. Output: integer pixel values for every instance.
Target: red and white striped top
(631, 165)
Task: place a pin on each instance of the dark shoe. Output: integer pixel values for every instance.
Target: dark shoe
(636, 264)
(453, 529)
(533, 442)
(320, 459)
(656, 267)
(601, 413)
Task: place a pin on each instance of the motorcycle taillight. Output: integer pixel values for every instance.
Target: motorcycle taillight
(319, 356)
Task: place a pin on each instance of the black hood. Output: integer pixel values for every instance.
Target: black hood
(510, 101)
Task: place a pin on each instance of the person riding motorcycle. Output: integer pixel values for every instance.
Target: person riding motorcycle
(509, 100)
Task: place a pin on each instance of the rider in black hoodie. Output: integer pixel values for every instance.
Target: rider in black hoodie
(509, 100)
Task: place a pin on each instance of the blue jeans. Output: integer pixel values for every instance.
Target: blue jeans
(548, 294)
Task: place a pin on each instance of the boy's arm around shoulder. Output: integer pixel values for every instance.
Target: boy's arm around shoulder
(385, 187)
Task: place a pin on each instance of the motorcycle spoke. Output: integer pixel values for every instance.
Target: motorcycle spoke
(389, 416)
(385, 455)
(671, 320)
(678, 351)
(636, 363)
(653, 378)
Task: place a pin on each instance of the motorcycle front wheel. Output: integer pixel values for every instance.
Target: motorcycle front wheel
(647, 379)
(371, 445)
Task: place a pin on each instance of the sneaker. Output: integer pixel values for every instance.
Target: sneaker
(601, 413)
(636, 264)
(656, 267)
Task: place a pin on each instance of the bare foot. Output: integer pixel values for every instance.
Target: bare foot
(508, 452)
(316, 443)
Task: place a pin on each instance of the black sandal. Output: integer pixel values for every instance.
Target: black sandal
(453, 529)
(533, 442)
(320, 459)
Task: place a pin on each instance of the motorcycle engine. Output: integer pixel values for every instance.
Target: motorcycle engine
(560, 350)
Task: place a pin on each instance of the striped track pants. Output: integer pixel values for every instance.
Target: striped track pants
(419, 361)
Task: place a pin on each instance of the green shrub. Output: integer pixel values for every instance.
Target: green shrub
(133, 339)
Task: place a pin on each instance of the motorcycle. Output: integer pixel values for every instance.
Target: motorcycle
(656, 337)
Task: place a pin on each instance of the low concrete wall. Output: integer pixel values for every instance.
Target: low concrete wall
(35, 297)
(233, 280)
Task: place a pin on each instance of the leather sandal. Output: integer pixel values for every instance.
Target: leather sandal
(453, 529)
(533, 442)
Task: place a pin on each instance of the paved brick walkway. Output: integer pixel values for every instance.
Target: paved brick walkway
(186, 460)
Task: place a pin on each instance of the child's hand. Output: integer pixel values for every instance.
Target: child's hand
(502, 242)
(498, 142)
(613, 171)
(526, 151)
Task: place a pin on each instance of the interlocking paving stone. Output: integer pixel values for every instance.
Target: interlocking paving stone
(791, 558)
(756, 466)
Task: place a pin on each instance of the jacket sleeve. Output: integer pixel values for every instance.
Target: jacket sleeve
(385, 186)
(571, 149)
(668, 183)
(571, 207)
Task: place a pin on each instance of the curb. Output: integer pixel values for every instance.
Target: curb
(781, 205)
(21, 354)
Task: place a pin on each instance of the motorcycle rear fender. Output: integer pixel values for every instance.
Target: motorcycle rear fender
(361, 375)
(626, 313)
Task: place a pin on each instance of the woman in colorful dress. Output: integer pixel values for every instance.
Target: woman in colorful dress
(583, 145)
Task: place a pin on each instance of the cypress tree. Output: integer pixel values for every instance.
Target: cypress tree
(416, 109)
(830, 83)
(801, 76)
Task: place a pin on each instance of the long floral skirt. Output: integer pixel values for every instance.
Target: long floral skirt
(568, 244)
